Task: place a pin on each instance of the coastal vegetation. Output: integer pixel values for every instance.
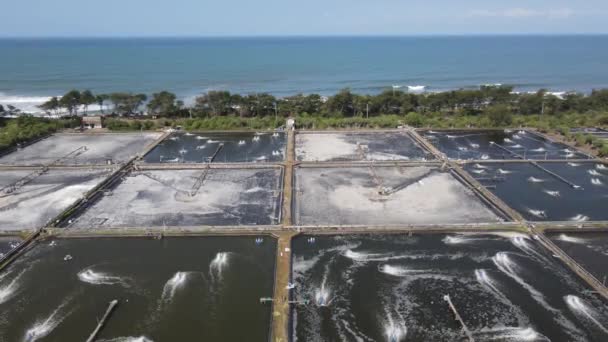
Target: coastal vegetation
(484, 107)
(26, 128)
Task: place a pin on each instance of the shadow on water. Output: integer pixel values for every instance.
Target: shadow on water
(169, 290)
(391, 288)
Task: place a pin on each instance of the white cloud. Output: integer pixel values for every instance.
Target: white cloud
(522, 13)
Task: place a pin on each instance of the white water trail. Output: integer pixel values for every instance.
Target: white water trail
(596, 181)
(601, 167)
(398, 271)
(219, 263)
(594, 173)
(521, 242)
(571, 239)
(580, 218)
(323, 292)
(540, 149)
(394, 331)
(537, 213)
(172, 285)
(128, 339)
(43, 327)
(489, 284)
(98, 278)
(463, 239)
(535, 180)
(574, 164)
(506, 265)
(8, 291)
(580, 308)
(514, 334)
(479, 166)
(552, 193)
(504, 172)
(479, 172)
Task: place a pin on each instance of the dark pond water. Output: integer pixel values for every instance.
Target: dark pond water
(540, 196)
(235, 147)
(588, 249)
(498, 144)
(7, 244)
(392, 288)
(175, 289)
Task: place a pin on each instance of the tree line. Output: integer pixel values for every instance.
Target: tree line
(498, 102)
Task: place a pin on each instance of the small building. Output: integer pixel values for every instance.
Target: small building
(92, 122)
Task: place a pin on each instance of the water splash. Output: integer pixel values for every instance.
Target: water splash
(479, 166)
(219, 262)
(487, 282)
(521, 242)
(580, 218)
(538, 213)
(128, 339)
(256, 138)
(596, 181)
(540, 149)
(506, 265)
(474, 145)
(504, 172)
(172, 285)
(515, 334)
(594, 173)
(7, 292)
(581, 308)
(535, 180)
(507, 140)
(571, 239)
(241, 142)
(574, 164)
(552, 193)
(601, 167)
(517, 146)
(98, 278)
(485, 157)
(394, 331)
(198, 137)
(398, 271)
(479, 172)
(200, 147)
(45, 326)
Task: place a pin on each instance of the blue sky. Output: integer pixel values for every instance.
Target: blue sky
(299, 17)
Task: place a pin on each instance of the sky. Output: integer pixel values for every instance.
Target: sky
(128, 18)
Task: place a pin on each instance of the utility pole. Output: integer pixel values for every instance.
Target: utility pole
(367, 110)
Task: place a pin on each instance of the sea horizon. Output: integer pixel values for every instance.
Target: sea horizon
(33, 69)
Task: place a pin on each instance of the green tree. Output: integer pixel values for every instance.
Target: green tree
(86, 99)
(101, 99)
(51, 106)
(163, 103)
(70, 101)
(499, 115)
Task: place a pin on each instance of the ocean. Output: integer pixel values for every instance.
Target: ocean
(32, 70)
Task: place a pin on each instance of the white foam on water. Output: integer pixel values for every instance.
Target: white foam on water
(574, 164)
(579, 218)
(594, 173)
(506, 265)
(479, 166)
(394, 331)
(552, 193)
(516, 137)
(188, 134)
(474, 145)
(596, 181)
(570, 155)
(218, 264)
(255, 189)
(98, 278)
(210, 141)
(128, 339)
(256, 138)
(517, 146)
(571, 239)
(242, 142)
(504, 172)
(416, 88)
(508, 140)
(9, 290)
(462, 148)
(580, 308)
(490, 285)
(200, 147)
(514, 334)
(198, 137)
(485, 157)
(537, 213)
(464, 239)
(601, 167)
(540, 149)
(521, 242)
(535, 180)
(479, 172)
(399, 271)
(172, 285)
(43, 327)
(451, 136)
